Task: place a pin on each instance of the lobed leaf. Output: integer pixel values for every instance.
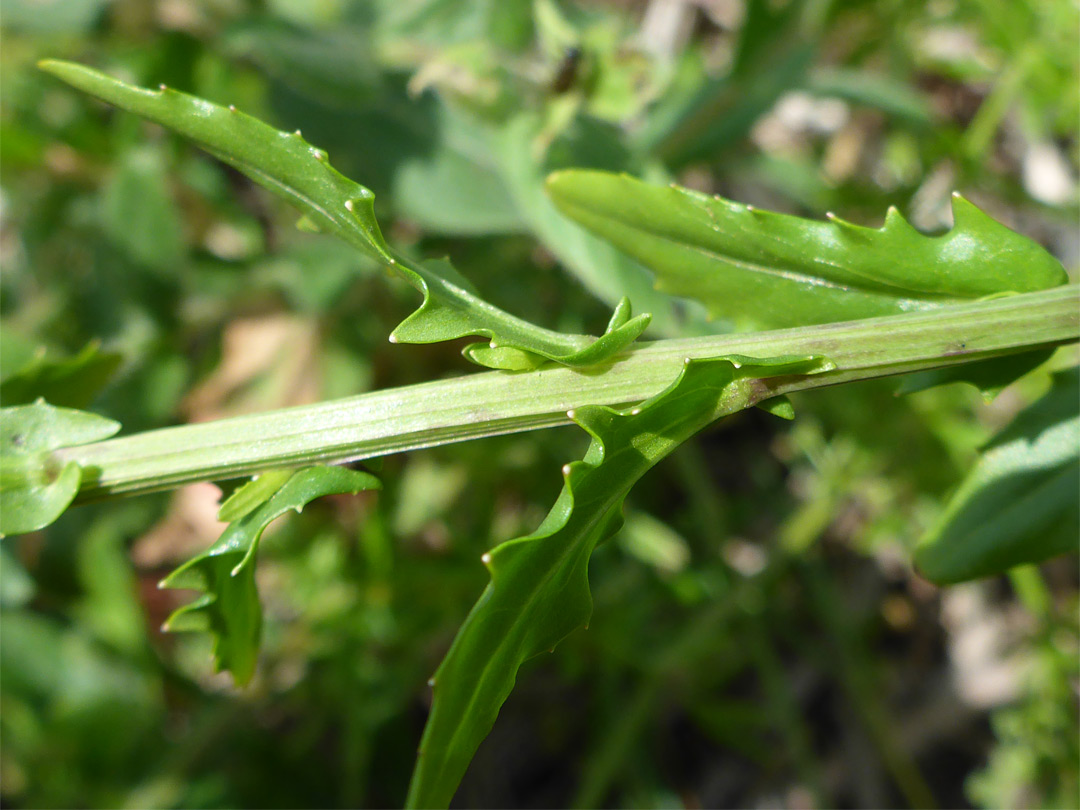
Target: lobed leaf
(34, 488)
(1021, 501)
(539, 590)
(301, 174)
(765, 269)
(229, 607)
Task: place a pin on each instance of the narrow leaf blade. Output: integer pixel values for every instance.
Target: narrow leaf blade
(288, 166)
(539, 590)
(1021, 502)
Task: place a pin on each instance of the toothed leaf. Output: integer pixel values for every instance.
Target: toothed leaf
(1021, 501)
(35, 488)
(763, 269)
(253, 494)
(539, 590)
(287, 165)
(228, 607)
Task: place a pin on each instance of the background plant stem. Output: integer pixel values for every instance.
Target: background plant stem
(493, 403)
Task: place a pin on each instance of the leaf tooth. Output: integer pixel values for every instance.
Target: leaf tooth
(485, 558)
(968, 216)
(843, 223)
(894, 221)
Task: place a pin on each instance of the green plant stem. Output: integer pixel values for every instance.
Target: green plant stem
(493, 403)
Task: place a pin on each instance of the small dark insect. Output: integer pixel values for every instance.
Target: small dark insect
(567, 70)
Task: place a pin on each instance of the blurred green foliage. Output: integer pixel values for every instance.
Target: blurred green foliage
(758, 635)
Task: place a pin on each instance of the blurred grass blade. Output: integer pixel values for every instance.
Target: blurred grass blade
(287, 165)
(1021, 502)
(539, 591)
(763, 269)
(880, 92)
(229, 607)
(697, 121)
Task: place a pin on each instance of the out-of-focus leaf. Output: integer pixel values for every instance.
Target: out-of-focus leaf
(52, 16)
(1021, 502)
(300, 173)
(456, 188)
(229, 607)
(16, 351)
(334, 65)
(427, 491)
(539, 591)
(654, 543)
(71, 382)
(139, 214)
(723, 111)
(766, 269)
(35, 489)
(507, 23)
(989, 376)
(16, 585)
(696, 120)
(869, 90)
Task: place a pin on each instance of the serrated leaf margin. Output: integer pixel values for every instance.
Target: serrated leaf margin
(285, 164)
(528, 625)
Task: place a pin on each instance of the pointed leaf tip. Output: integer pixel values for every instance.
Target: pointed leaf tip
(300, 173)
(777, 270)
